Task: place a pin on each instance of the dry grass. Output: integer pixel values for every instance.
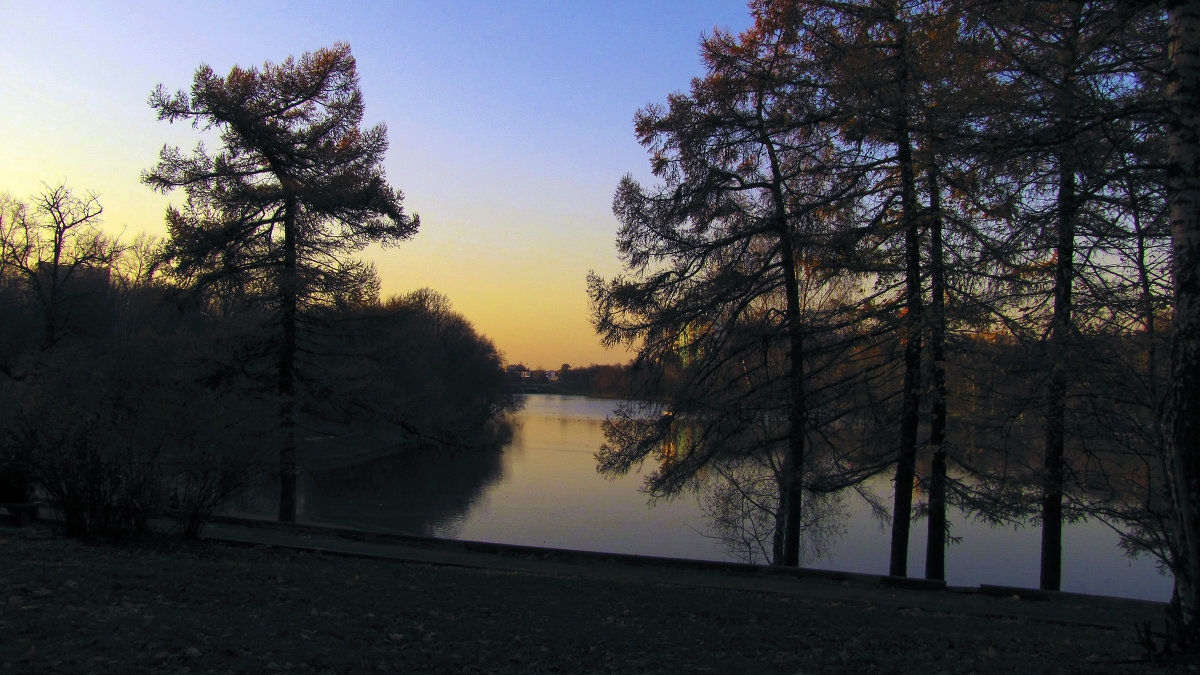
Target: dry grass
(70, 607)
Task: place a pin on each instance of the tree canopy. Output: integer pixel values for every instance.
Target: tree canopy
(936, 225)
(271, 218)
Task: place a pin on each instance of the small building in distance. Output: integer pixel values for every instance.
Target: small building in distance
(518, 372)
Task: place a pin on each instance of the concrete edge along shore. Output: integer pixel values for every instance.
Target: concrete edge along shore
(900, 593)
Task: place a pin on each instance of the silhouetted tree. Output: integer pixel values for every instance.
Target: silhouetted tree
(296, 187)
(413, 370)
(732, 273)
(1183, 414)
(1071, 70)
(56, 247)
(880, 62)
(1036, 152)
(874, 40)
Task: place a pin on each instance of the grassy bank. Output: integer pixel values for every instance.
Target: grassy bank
(73, 607)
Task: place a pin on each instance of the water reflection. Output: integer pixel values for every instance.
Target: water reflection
(550, 494)
(543, 490)
(416, 493)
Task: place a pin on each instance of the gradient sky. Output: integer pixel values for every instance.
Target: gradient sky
(510, 125)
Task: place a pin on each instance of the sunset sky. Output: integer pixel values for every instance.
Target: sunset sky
(510, 125)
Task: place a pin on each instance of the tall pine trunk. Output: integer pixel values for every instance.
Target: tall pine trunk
(1056, 389)
(780, 520)
(797, 413)
(1183, 410)
(792, 488)
(935, 544)
(906, 463)
(287, 367)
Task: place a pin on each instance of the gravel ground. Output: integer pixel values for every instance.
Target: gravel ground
(70, 607)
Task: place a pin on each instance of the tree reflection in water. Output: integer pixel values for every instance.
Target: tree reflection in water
(542, 490)
(416, 492)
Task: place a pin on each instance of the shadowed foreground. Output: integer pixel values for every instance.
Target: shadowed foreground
(209, 607)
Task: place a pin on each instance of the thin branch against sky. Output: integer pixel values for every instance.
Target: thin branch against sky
(510, 125)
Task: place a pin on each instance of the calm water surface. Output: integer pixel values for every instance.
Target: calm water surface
(543, 490)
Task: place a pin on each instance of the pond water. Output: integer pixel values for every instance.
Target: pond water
(542, 490)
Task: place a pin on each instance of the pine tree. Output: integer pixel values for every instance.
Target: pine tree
(729, 260)
(297, 186)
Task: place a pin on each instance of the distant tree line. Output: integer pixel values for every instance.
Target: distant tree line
(605, 381)
(929, 240)
(161, 376)
(128, 394)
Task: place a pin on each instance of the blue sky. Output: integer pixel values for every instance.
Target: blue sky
(510, 124)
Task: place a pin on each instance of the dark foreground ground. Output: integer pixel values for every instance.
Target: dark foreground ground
(68, 607)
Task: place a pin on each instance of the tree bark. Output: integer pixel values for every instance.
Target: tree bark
(935, 544)
(792, 489)
(1183, 410)
(287, 367)
(797, 414)
(780, 523)
(1056, 390)
(906, 464)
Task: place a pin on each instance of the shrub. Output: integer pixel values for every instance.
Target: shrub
(120, 435)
